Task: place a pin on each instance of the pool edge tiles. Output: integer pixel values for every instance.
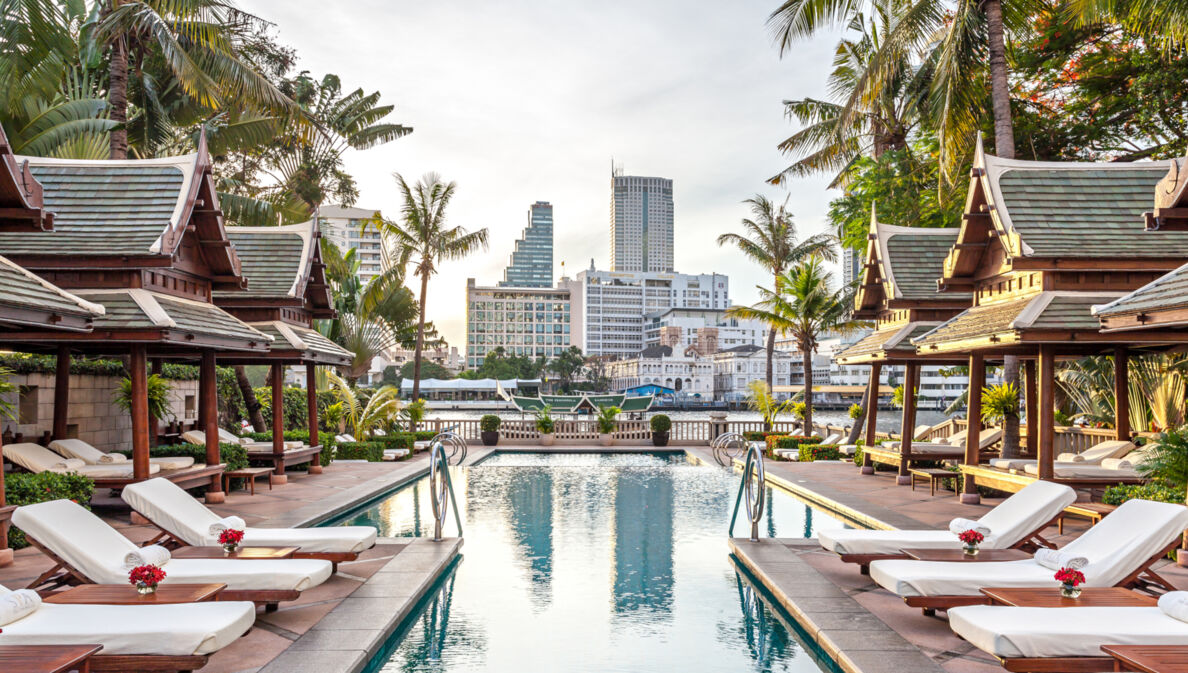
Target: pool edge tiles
(345, 640)
(844, 630)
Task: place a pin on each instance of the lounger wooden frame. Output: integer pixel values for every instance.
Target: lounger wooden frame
(894, 457)
(1142, 579)
(186, 477)
(64, 574)
(1031, 542)
(279, 461)
(152, 663)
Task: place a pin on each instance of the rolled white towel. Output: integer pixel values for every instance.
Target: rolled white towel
(958, 526)
(1069, 457)
(1055, 559)
(1173, 603)
(152, 555)
(1118, 464)
(225, 523)
(113, 458)
(18, 604)
(68, 465)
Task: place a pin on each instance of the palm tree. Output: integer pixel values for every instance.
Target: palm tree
(770, 240)
(804, 306)
(361, 419)
(422, 235)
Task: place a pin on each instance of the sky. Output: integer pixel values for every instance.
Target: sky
(526, 100)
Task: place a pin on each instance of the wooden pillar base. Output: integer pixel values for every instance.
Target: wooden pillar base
(974, 498)
(903, 480)
(278, 479)
(215, 497)
(868, 469)
(5, 557)
(315, 469)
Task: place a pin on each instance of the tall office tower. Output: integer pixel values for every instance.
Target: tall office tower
(852, 265)
(531, 263)
(641, 224)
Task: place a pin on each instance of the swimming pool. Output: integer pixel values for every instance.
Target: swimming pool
(587, 562)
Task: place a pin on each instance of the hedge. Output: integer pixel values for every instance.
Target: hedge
(26, 489)
(1116, 495)
(757, 436)
(234, 455)
(326, 439)
(48, 364)
(810, 451)
(372, 452)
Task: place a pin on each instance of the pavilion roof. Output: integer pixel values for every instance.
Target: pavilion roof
(1151, 305)
(884, 343)
(302, 343)
(20, 194)
(1005, 322)
(177, 320)
(904, 263)
(28, 300)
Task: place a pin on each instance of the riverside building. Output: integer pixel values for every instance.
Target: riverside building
(528, 321)
(641, 224)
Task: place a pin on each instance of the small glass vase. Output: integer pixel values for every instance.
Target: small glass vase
(970, 549)
(230, 548)
(1070, 591)
(145, 589)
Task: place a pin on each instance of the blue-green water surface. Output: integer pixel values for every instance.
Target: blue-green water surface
(594, 563)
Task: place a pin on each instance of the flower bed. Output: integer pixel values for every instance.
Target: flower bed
(813, 451)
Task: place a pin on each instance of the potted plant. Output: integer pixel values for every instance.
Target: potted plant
(1070, 582)
(489, 425)
(607, 425)
(545, 425)
(661, 424)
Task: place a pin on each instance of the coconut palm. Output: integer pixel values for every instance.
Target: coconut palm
(422, 236)
(804, 306)
(770, 240)
(360, 418)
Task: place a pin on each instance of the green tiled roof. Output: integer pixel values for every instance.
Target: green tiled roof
(1164, 293)
(316, 346)
(103, 208)
(1069, 312)
(272, 258)
(528, 403)
(140, 309)
(896, 338)
(21, 289)
(917, 261)
(633, 404)
(976, 322)
(603, 401)
(1044, 311)
(1083, 210)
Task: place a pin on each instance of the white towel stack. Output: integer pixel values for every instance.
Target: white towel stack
(1056, 559)
(1173, 603)
(113, 458)
(68, 465)
(18, 605)
(958, 526)
(226, 523)
(152, 555)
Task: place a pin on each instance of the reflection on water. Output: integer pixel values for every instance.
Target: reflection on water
(594, 563)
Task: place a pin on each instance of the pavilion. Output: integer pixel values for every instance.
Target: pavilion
(898, 291)
(1040, 244)
(581, 404)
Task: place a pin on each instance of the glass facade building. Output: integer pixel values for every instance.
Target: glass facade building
(531, 263)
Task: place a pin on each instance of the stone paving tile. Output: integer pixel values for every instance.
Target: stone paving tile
(337, 639)
(317, 661)
(255, 649)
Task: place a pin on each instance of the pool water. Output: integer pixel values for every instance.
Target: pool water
(594, 563)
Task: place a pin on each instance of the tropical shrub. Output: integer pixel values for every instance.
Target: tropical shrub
(7, 410)
(1167, 460)
(233, 455)
(1000, 402)
(1116, 495)
(372, 452)
(798, 409)
(544, 422)
(606, 419)
(158, 396)
(660, 423)
(855, 411)
(811, 452)
(27, 489)
(361, 417)
(414, 412)
(759, 436)
(489, 423)
(330, 419)
(759, 399)
(859, 452)
(790, 441)
(295, 413)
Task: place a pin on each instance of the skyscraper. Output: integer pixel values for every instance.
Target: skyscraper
(641, 224)
(852, 261)
(531, 263)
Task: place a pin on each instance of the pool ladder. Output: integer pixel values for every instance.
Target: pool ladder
(727, 446)
(441, 488)
(457, 450)
(754, 488)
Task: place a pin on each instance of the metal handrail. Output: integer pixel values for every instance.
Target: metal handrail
(723, 444)
(754, 486)
(456, 442)
(441, 490)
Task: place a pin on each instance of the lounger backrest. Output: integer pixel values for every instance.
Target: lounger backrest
(1114, 448)
(955, 439)
(77, 448)
(33, 457)
(832, 439)
(1127, 538)
(78, 537)
(170, 507)
(920, 431)
(1019, 515)
(989, 436)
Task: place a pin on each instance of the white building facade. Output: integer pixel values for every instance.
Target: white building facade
(735, 368)
(684, 372)
(641, 224)
(354, 229)
(529, 321)
(680, 328)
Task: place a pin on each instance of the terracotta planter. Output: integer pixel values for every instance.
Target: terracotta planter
(607, 439)
(659, 439)
(490, 438)
(546, 439)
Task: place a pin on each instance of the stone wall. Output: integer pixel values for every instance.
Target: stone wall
(94, 418)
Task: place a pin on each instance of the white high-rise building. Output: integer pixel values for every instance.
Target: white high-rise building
(680, 328)
(641, 224)
(351, 228)
(852, 265)
(609, 308)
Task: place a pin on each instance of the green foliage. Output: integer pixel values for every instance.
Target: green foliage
(1116, 495)
(233, 455)
(497, 364)
(859, 453)
(567, 366)
(429, 370)
(372, 452)
(999, 402)
(544, 422)
(26, 489)
(489, 423)
(414, 411)
(7, 410)
(811, 452)
(157, 392)
(759, 436)
(760, 399)
(606, 419)
(855, 411)
(361, 419)
(789, 441)
(295, 412)
(798, 410)
(1167, 460)
(660, 423)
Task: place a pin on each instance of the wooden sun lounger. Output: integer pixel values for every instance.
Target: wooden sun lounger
(186, 477)
(305, 454)
(1011, 482)
(63, 574)
(169, 540)
(893, 457)
(1143, 579)
(50, 657)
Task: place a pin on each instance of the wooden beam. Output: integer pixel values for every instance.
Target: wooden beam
(907, 425)
(973, 436)
(1047, 396)
(1122, 393)
(61, 393)
(1032, 404)
(311, 401)
(138, 365)
(208, 392)
(872, 413)
(278, 419)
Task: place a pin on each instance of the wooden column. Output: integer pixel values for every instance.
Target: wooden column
(1046, 412)
(907, 426)
(278, 421)
(311, 401)
(62, 393)
(1122, 393)
(5, 552)
(154, 422)
(208, 393)
(140, 439)
(973, 435)
(1032, 404)
(872, 414)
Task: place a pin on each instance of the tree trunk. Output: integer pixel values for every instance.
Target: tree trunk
(1010, 424)
(1004, 132)
(249, 399)
(860, 422)
(416, 391)
(117, 95)
(807, 360)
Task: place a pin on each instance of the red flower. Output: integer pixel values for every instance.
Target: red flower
(971, 536)
(150, 575)
(230, 536)
(1070, 576)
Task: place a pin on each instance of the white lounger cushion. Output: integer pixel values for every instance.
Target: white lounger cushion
(1009, 522)
(1115, 547)
(170, 507)
(199, 437)
(1113, 448)
(1012, 463)
(1083, 471)
(1072, 632)
(97, 550)
(831, 439)
(172, 630)
(77, 448)
(36, 458)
